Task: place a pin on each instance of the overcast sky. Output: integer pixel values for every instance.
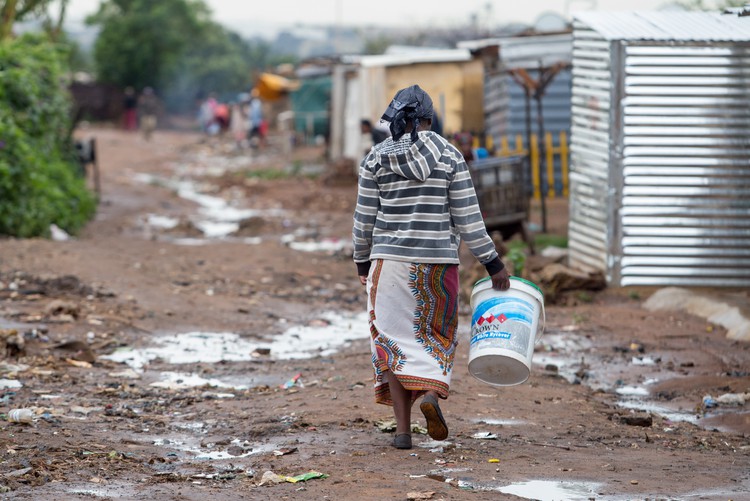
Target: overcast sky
(254, 14)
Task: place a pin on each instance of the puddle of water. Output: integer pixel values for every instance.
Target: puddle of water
(219, 218)
(563, 350)
(105, 492)
(191, 242)
(544, 490)
(308, 341)
(163, 222)
(296, 343)
(190, 446)
(326, 245)
(217, 229)
(181, 380)
(643, 361)
(501, 422)
(636, 391)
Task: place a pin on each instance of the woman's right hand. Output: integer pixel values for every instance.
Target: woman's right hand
(363, 279)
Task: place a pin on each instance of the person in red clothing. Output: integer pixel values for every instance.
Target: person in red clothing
(130, 106)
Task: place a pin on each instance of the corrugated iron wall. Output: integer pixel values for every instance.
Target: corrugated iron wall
(590, 151)
(685, 164)
(505, 101)
(660, 161)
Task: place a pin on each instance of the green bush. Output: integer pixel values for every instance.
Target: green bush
(40, 182)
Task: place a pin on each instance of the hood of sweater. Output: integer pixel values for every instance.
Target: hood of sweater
(414, 161)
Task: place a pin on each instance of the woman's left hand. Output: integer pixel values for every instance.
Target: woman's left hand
(363, 279)
(501, 280)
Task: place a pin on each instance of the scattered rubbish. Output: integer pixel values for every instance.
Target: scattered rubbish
(78, 363)
(285, 451)
(484, 435)
(389, 425)
(59, 308)
(163, 222)
(493, 460)
(501, 422)
(21, 416)
(58, 234)
(644, 361)
(85, 410)
(709, 402)
(7, 368)
(181, 380)
(637, 347)
(270, 477)
(292, 382)
(736, 399)
(733, 398)
(19, 473)
(306, 476)
(127, 374)
(9, 383)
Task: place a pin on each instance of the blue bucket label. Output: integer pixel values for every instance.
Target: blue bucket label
(502, 322)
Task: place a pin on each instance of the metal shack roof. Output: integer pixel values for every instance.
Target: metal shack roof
(418, 55)
(528, 51)
(668, 26)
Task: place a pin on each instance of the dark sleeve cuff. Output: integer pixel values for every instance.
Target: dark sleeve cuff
(363, 269)
(494, 266)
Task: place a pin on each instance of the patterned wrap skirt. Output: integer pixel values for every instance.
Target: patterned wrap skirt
(413, 317)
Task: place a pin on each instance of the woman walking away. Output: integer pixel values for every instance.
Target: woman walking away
(415, 202)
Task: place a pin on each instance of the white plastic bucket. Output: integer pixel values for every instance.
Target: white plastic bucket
(505, 326)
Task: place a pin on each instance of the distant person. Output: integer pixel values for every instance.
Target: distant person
(130, 107)
(207, 115)
(257, 125)
(148, 109)
(465, 143)
(415, 198)
(222, 116)
(238, 120)
(370, 135)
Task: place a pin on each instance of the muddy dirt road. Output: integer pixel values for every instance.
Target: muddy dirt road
(208, 328)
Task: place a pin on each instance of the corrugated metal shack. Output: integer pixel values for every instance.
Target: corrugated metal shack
(504, 99)
(660, 163)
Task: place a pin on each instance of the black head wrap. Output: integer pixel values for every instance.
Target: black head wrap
(411, 104)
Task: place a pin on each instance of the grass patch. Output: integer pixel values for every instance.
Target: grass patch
(268, 174)
(540, 242)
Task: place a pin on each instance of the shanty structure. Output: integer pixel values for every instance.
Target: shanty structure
(504, 100)
(512, 119)
(363, 86)
(660, 148)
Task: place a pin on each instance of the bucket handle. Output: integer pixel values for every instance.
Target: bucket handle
(540, 327)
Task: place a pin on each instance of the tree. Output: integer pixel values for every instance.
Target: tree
(141, 41)
(174, 46)
(17, 10)
(39, 180)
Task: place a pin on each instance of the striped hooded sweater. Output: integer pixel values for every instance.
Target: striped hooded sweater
(415, 202)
